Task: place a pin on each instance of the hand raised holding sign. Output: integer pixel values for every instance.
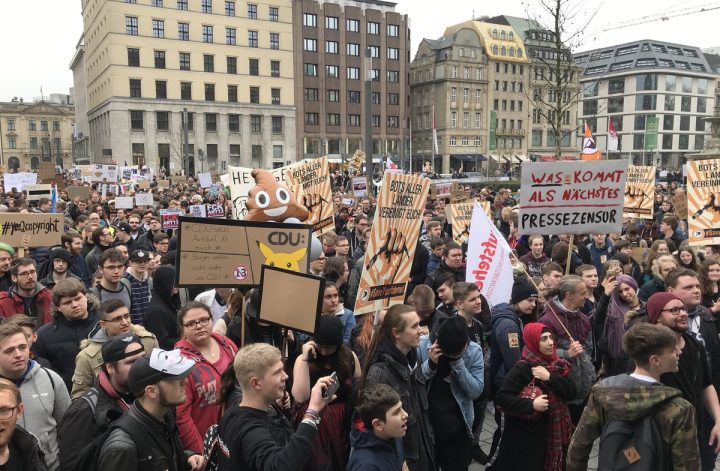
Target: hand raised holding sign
(634, 197)
(314, 204)
(393, 249)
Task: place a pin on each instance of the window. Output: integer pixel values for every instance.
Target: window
(393, 53)
(701, 104)
(133, 57)
(231, 64)
(353, 96)
(373, 27)
(375, 98)
(685, 103)
(274, 40)
(646, 82)
(182, 4)
(466, 95)
(162, 120)
(670, 83)
(275, 68)
(702, 87)
(184, 31)
(275, 96)
(453, 141)
(616, 86)
(43, 125)
(210, 121)
(206, 6)
(254, 66)
(393, 30)
(645, 102)
(453, 119)
(159, 59)
(478, 120)
(158, 27)
(255, 123)
(393, 76)
(131, 25)
(465, 141)
(333, 95)
(160, 89)
(615, 104)
(311, 94)
(374, 52)
(254, 94)
(699, 142)
(230, 36)
(274, 14)
(252, 38)
(33, 125)
(252, 11)
(229, 8)
(184, 61)
(683, 141)
(186, 90)
(590, 107)
(331, 22)
(12, 143)
(208, 63)
(466, 119)
(375, 120)
(207, 33)
(277, 124)
(232, 93)
(234, 124)
(669, 103)
(393, 121)
(331, 47)
(453, 72)
(668, 121)
(136, 120)
(209, 92)
(687, 85)
(277, 152)
(157, 3)
(310, 44)
(353, 120)
(11, 125)
(393, 98)
(375, 75)
(135, 91)
(309, 20)
(353, 49)
(352, 26)
(311, 70)
(353, 73)
(684, 123)
(33, 143)
(312, 118)
(333, 119)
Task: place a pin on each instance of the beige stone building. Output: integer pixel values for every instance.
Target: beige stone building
(31, 133)
(229, 63)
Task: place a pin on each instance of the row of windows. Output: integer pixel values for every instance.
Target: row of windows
(427, 75)
(333, 22)
(353, 96)
(162, 122)
(208, 62)
(186, 92)
(649, 82)
(206, 6)
(537, 138)
(32, 125)
(507, 51)
(352, 49)
(646, 103)
(57, 143)
(539, 116)
(352, 73)
(509, 68)
(353, 120)
(507, 105)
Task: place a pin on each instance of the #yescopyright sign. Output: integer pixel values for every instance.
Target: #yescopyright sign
(703, 205)
(639, 192)
(572, 197)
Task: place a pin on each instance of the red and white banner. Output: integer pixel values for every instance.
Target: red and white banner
(488, 259)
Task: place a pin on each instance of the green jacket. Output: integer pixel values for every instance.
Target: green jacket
(626, 398)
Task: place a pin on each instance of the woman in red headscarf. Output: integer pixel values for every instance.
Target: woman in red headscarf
(536, 431)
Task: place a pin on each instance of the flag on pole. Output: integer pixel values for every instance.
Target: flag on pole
(612, 136)
(589, 149)
(390, 165)
(435, 141)
(53, 197)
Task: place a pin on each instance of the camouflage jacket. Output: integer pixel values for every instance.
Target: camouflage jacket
(626, 398)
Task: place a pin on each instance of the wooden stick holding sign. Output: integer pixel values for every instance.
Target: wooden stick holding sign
(571, 244)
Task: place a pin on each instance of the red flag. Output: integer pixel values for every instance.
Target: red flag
(612, 136)
(589, 149)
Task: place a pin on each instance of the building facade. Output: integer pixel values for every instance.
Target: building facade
(228, 64)
(331, 40)
(632, 82)
(31, 133)
(81, 138)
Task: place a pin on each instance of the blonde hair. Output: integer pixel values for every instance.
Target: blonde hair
(659, 261)
(253, 361)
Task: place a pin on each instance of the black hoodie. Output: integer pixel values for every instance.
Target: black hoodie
(161, 314)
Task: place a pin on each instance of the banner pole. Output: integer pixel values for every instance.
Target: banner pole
(569, 255)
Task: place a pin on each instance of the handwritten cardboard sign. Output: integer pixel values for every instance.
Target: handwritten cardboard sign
(226, 252)
(82, 192)
(144, 199)
(306, 292)
(124, 202)
(41, 230)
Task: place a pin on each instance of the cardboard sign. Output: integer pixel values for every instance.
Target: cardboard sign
(225, 252)
(580, 197)
(486, 207)
(144, 199)
(239, 180)
(46, 171)
(104, 173)
(639, 192)
(143, 184)
(442, 189)
(163, 183)
(35, 192)
(306, 292)
(461, 215)
(40, 230)
(82, 192)
(359, 187)
(19, 180)
(169, 218)
(178, 180)
(205, 179)
(680, 205)
(639, 253)
(392, 241)
(703, 207)
(124, 202)
(313, 176)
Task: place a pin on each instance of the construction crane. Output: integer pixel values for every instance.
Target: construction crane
(666, 15)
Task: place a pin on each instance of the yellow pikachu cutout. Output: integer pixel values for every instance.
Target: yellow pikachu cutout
(288, 261)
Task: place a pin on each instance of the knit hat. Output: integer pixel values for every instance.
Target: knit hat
(60, 253)
(656, 303)
(522, 290)
(329, 331)
(7, 248)
(452, 335)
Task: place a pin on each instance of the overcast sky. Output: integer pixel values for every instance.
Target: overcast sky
(39, 36)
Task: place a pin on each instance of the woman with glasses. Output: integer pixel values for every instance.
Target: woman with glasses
(212, 353)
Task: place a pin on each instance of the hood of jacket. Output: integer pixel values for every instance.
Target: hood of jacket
(163, 283)
(38, 287)
(626, 398)
(503, 311)
(360, 439)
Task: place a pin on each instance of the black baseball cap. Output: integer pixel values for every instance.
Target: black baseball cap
(139, 256)
(113, 349)
(124, 227)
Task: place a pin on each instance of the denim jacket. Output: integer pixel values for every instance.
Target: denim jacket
(467, 377)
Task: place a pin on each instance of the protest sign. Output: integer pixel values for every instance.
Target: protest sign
(104, 173)
(46, 171)
(82, 192)
(124, 202)
(239, 180)
(306, 292)
(392, 241)
(580, 197)
(35, 192)
(178, 179)
(169, 218)
(19, 180)
(144, 184)
(85, 170)
(639, 192)
(205, 179)
(215, 210)
(442, 189)
(461, 214)
(129, 172)
(703, 202)
(347, 202)
(163, 183)
(679, 202)
(313, 176)
(359, 186)
(486, 207)
(226, 252)
(40, 230)
(197, 211)
(143, 199)
(488, 259)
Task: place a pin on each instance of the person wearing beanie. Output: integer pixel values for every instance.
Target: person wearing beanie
(453, 368)
(60, 261)
(693, 377)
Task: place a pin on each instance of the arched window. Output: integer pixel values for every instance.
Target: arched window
(511, 36)
(495, 49)
(511, 51)
(494, 34)
(502, 35)
(14, 164)
(503, 51)
(35, 163)
(519, 52)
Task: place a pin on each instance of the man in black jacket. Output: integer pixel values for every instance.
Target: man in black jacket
(146, 438)
(105, 402)
(452, 259)
(19, 449)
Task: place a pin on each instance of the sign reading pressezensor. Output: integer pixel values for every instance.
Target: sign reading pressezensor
(572, 197)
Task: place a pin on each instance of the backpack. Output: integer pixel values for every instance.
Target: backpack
(634, 444)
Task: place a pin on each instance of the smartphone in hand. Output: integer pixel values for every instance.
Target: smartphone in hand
(332, 389)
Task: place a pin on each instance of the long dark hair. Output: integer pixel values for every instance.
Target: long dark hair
(393, 320)
(342, 362)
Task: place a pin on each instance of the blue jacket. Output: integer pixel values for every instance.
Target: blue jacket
(506, 342)
(467, 379)
(79, 269)
(371, 453)
(601, 255)
(348, 320)
(433, 263)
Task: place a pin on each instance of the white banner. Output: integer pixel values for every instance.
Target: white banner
(19, 180)
(488, 259)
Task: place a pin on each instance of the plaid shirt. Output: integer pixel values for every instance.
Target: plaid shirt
(140, 295)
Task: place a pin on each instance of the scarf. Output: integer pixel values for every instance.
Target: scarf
(614, 325)
(122, 402)
(559, 425)
(574, 321)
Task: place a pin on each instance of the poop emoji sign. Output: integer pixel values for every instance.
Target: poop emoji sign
(229, 253)
(703, 202)
(271, 200)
